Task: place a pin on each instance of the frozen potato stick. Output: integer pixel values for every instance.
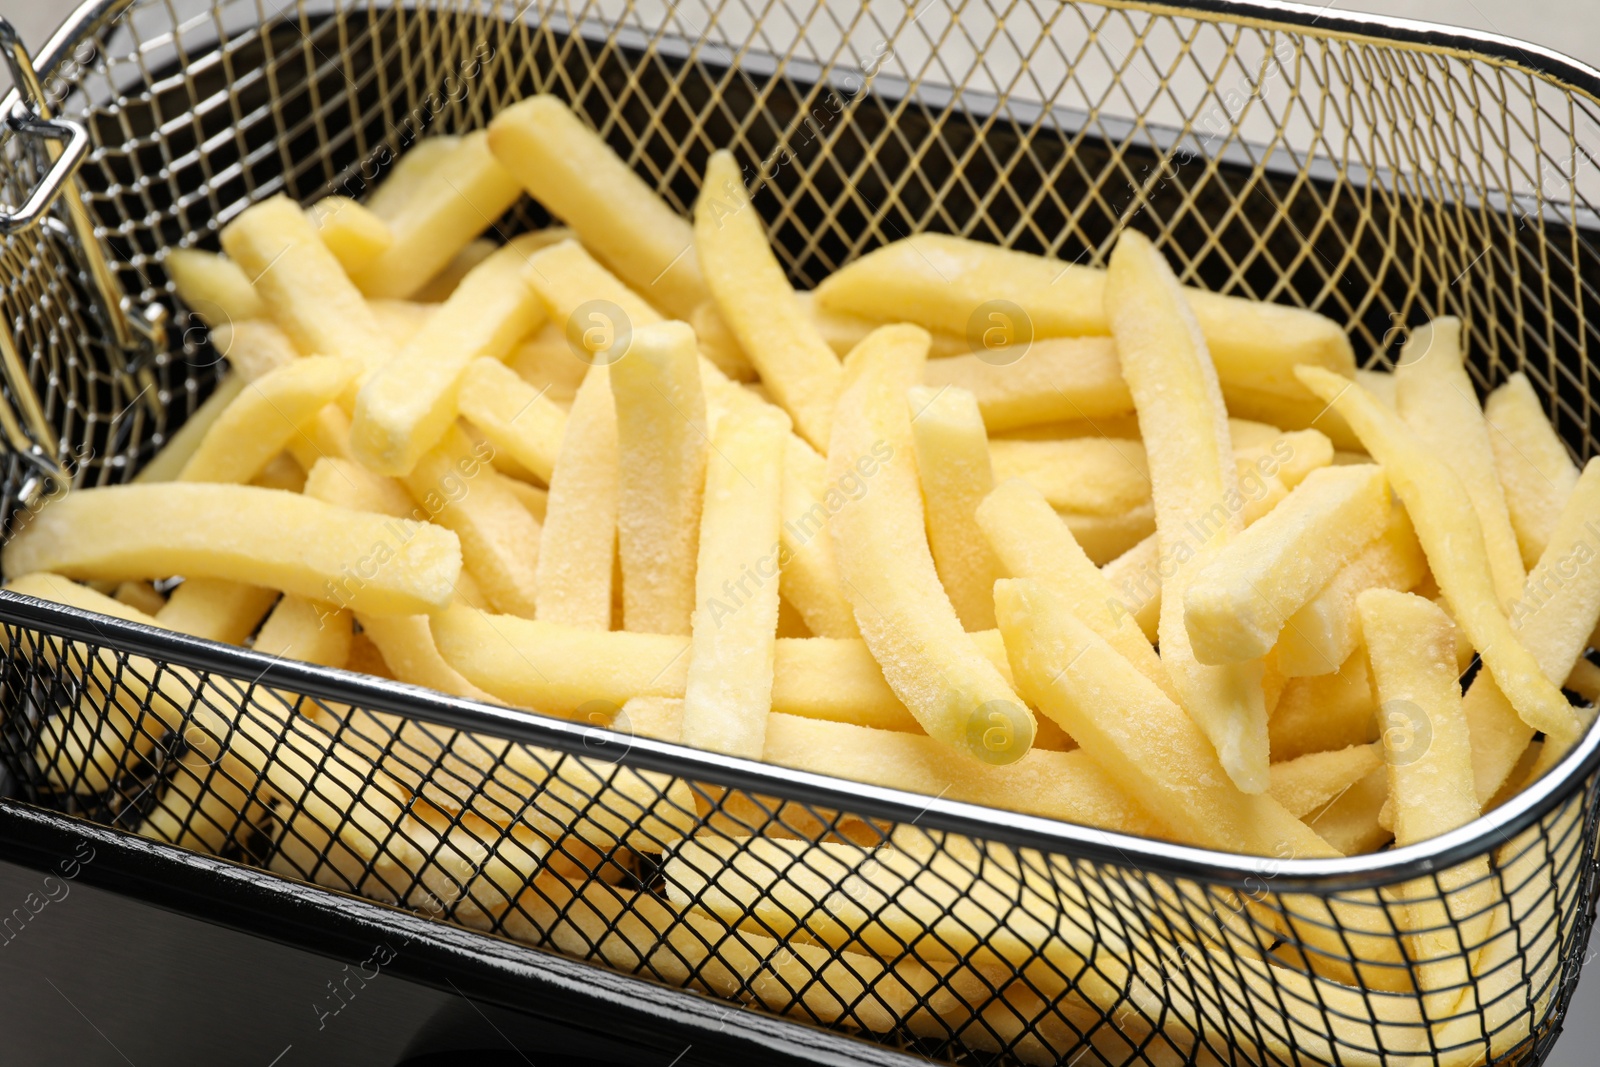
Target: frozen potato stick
(213, 287)
(1309, 783)
(938, 282)
(141, 596)
(1429, 757)
(1553, 619)
(266, 416)
(456, 200)
(1437, 399)
(254, 347)
(1238, 603)
(206, 805)
(1535, 470)
(353, 232)
(1325, 711)
(566, 167)
(1032, 542)
(662, 447)
(719, 344)
(405, 406)
(519, 420)
(1086, 475)
(441, 285)
(302, 284)
(577, 549)
(301, 629)
(407, 646)
(728, 692)
(215, 609)
(262, 536)
(953, 470)
(348, 484)
(168, 463)
(1325, 632)
(888, 573)
(759, 305)
(401, 183)
(810, 576)
(1193, 477)
(499, 539)
(1058, 379)
(1447, 528)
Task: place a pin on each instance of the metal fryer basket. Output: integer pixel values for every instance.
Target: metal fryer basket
(1377, 173)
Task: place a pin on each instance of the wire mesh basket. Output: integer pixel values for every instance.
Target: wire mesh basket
(1377, 173)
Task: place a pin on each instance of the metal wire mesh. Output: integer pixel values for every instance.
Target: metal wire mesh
(1378, 183)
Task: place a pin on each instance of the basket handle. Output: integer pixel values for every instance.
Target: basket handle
(30, 119)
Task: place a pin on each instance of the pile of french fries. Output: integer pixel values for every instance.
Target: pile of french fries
(1171, 566)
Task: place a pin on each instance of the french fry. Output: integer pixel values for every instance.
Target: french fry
(441, 285)
(545, 362)
(1536, 473)
(578, 546)
(281, 472)
(301, 629)
(206, 805)
(728, 692)
(888, 572)
(519, 420)
(718, 343)
(1436, 398)
(1308, 784)
(1193, 478)
(1058, 379)
(939, 282)
(401, 320)
(1325, 712)
(353, 233)
(1447, 529)
(535, 501)
(302, 284)
(348, 484)
(810, 573)
(662, 449)
(1238, 602)
(456, 200)
(181, 445)
(240, 533)
(406, 644)
(1350, 823)
(401, 183)
(254, 347)
(1033, 543)
(265, 417)
(213, 287)
(1325, 632)
(458, 490)
(1429, 756)
(573, 173)
(757, 303)
(953, 471)
(1102, 476)
(141, 596)
(215, 609)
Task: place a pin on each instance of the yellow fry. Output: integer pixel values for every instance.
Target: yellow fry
(662, 447)
(578, 547)
(953, 470)
(1447, 528)
(401, 183)
(1437, 399)
(1103, 476)
(888, 572)
(810, 579)
(1308, 784)
(301, 629)
(455, 201)
(213, 287)
(254, 347)
(519, 420)
(348, 484)
(406, 644)
(141, 596)
(718, 343)
(1237, 604)
(1325, 711)
(1193, 482)
(1350, 823)
(758, 304)
(262, 536)
(573, 173)
(302, 284)
(728, 692)
(441, 285)
(353, 233)
(215, 609)
(1057, 379)
(939, 282)
(167, 464)
(843, 331)
(404, 407)
(1535, 470)
(266, 416)
(1293, 413)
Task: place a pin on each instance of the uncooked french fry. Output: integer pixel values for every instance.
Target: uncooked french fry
(1436, 398)
(1350, 823)
(348, 484)
(456, 200)
(167, 464)
(810, 580)
(728, 692)
(939, 282)
(888, 572)
(355, 234)
(241, 533)
(718, 343)
(302, 284)
(578, 546)
(1308, 784)
(1447, 529)
(758, 304)
(573, 173)
(519, 420)
(254, 347)
(266, 416)
(1535, 470)
(1193, 480)
(215, 609)
(1325, 712)
(1238, 602)
(662, 448)
(301, 629)
(408, 650)
(141, 596)
(1325, 632)
(953, 471)
(441, 285)
(499, 539)
(1058, 379)
(1086, 476)
(401, 183)
(1292, 413)
(213, 287)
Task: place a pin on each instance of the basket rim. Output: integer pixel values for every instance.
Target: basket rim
(1072, 841)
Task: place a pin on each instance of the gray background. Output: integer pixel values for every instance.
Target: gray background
(1570, 26)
